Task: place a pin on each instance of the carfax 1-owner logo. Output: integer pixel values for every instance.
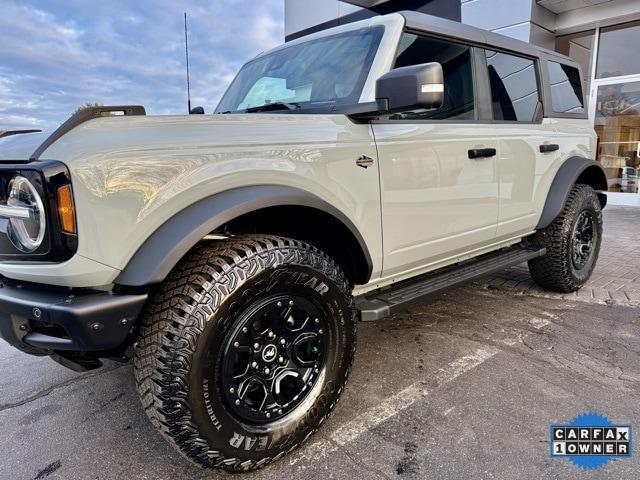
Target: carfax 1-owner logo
(591, 440)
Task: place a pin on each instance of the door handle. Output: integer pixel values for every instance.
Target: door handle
(482, 152)
(549, 147)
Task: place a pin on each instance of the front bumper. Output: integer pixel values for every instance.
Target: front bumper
(43, 320)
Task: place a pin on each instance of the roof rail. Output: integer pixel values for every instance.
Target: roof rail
(84, 115)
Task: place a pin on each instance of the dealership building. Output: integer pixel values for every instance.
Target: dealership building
(602, 35)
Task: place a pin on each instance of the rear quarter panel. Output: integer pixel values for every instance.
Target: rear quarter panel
(576, 138)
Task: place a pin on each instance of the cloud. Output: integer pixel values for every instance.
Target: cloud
(58, 55)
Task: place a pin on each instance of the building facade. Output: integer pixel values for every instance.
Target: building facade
(602, 35)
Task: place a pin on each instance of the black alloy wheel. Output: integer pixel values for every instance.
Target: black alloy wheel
(583, 237)
(273, 358)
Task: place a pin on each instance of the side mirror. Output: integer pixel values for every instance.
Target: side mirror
(196, 111)
(418, 87)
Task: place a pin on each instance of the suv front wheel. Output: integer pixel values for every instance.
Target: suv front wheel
(572, 241)
(245, 350)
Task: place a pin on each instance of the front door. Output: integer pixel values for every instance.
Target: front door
(437, 202)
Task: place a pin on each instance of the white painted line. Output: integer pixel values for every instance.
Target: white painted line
(464, 364)
(314, 451)
(378, 414)
(539, 323)
(391, 407)
(407, 397)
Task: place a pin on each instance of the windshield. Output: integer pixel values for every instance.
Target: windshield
(323, 72)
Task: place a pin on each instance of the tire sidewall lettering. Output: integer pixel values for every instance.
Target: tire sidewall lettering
(302, 280)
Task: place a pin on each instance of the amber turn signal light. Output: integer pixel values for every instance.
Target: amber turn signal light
(66, 210)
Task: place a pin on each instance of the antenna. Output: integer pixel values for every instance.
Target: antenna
(186, 51)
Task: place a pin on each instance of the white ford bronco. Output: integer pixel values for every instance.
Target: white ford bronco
(343, 176)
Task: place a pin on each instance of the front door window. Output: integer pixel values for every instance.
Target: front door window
(617, 123)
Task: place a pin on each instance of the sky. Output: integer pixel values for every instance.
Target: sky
(57, 55)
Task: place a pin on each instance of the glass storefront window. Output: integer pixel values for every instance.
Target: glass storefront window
(616, 113)
(579, 46)
(618, 51)
(617, 123)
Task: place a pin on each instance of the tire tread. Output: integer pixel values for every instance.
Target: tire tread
(553, 270)
(177, 315)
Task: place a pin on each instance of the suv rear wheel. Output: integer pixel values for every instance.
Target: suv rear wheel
(245, 350)
(572, 242)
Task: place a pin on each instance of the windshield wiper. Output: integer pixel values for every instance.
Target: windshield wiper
(268, 107)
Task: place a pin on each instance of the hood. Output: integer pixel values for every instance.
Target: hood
(20, 147)
(24, 145)
(121, 138)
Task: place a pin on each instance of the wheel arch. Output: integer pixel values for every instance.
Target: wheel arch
(574, 170)
(165, 247)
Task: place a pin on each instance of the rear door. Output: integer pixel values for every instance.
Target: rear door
(437, 202)
(527, 143)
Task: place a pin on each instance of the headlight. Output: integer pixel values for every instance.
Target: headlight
(27, 221)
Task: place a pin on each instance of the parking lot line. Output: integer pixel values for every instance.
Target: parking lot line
(393, 405)
(407, 397)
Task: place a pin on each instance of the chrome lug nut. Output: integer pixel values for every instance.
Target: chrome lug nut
(280, 411)
(236, 344)
(267, 371)
(238, 402)
(316, 320)
(283, 342)
(271, 335)
(232, 390)
(320, 332)
(268, 415)
(281, 359)
(279, 304)
(256, 346)
(245, 329)
(291, 303)
(254, 364)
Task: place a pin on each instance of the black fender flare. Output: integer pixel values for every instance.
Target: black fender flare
(573, 170)
(164, 248)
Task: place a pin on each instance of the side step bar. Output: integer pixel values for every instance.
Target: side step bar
(389, 300)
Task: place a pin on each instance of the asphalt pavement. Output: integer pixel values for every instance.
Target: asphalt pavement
(463, 386)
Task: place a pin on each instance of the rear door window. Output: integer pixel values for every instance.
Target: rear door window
(515, 95)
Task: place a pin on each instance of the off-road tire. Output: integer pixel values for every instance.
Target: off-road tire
(556, 271)
(195, 308)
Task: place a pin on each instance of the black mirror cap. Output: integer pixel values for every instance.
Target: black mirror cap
(417, 87)
(197, 111)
